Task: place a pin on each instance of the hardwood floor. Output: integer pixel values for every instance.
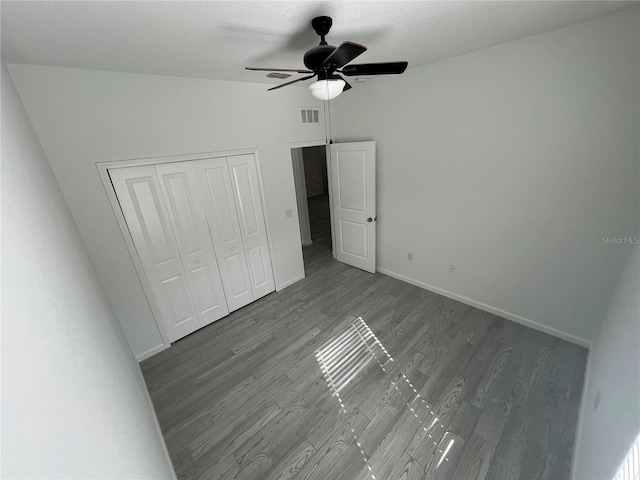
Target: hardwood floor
(436, 390)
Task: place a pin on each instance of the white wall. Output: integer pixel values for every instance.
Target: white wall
(74, 404)
(606, 433)
(512, 163)
(83, 117)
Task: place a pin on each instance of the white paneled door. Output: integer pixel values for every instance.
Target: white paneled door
(187, 214)
(353, 179)
(246, 192)
(217, 195)
(143, 207)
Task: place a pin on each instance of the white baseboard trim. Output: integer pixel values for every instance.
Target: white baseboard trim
(488, 308)
(150, 353)
(157, 426)
(583, 409)
(284, 285)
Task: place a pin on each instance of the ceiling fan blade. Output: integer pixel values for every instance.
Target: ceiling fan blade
(389, 68)
(346, 84)
(291, 82)
(258, 69)
(342, 55)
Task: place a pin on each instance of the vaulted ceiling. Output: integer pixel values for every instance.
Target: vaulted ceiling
(217, 39)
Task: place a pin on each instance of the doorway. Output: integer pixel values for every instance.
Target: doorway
(312, 193)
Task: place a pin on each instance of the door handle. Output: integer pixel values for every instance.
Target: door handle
(372, 219)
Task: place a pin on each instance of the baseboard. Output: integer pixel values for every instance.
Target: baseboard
(583, 409)
(284, 285)
(488, 308)
(150, 353)
(157, 424)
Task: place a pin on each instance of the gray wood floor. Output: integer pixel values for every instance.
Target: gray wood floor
(468, 395)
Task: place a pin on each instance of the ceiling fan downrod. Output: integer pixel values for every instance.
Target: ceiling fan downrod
(322, 25)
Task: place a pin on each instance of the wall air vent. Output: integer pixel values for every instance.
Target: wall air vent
(310, 115)
(278, 75)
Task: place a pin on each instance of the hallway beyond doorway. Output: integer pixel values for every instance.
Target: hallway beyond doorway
(320, 222)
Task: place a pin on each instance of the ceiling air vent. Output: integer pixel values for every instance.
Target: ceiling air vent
(280, 76)
(310, 115)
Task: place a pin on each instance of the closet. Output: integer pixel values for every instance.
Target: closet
(199, 232)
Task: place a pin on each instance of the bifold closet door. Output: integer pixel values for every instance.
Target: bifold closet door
(179, 183)
(244, 177)
(144, 210)
(199, 231)
(219, 203)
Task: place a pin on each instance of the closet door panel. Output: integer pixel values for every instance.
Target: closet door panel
(176, 190)
(225, 214)
(178, 299)
(257, 261)
(186, 213)
(142, 205)
(225, 231)
(209, 294)
(236, 273)
(246, 191)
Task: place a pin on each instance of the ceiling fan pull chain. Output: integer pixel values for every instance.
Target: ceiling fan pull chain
(326, 127)
(330, 134)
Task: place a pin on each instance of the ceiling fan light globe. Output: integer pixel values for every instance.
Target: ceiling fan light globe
(327, 89)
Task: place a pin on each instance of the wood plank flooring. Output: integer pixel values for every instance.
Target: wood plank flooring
(467, 395)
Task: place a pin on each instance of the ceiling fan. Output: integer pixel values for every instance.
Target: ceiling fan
(328, 62)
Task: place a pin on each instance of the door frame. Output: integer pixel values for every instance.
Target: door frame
(103, 172)
(327, 152)
(297, 159)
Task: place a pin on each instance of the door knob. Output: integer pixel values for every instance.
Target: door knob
(369, 219)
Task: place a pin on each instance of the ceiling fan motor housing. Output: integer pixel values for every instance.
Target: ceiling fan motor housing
(315, 57)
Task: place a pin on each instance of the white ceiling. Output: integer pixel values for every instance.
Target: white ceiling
(216, 39)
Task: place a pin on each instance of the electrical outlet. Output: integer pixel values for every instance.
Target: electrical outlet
(410, 256)
(288, 213)
(452, 268)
